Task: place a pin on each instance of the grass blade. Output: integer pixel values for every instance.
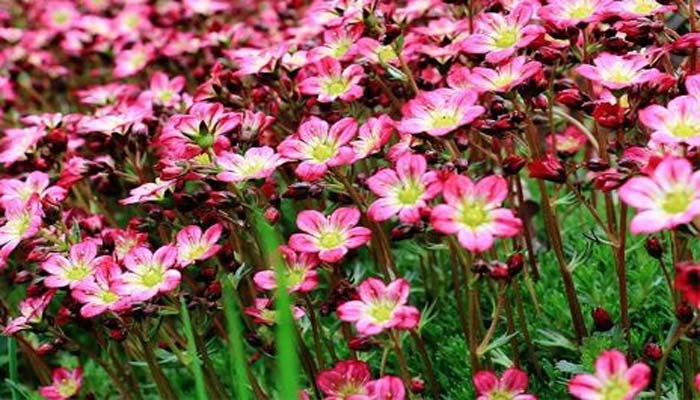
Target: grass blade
(200, 387)
(287, 362)
(236, 345)
(12, 359)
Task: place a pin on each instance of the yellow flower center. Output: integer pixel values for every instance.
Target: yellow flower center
(644, 6)
(619, 74)
(683, 129)
(443, 119)
(382, 311)
(79, 271)
(677, 201)
(323, 151)
(506, 37)
(581, 10)
(67, 388)
(152, 277)
(109, 297)
(335, 86)
(409, 193)
(473, 214)
(615, 389)
(330, 239)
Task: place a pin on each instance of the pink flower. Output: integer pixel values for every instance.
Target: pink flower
(380, 307)
(613, 379)
(36, 183)
(318, 147)
(631, 9)
(439, 112)
(668, 198)
(263, 314)
(65, 384)
(194, 246)
(330, 237)
(80, 265)
(98, 292)
(330, 82)
(205, 7)
(568, 142)
(149, 273)
(148, 192)
(678, 122)
(165, 91)
(499, 37)
(133, 60)
(345, 381)
(22, 221)
(565, 13)
(31, 312)
(338, 43)
(60, 15)
(19, 141)
(505, 77)
(404, 191)
(187, 135)
(617, 72)
(386, 388)
(300, 272)
(473, 212)
(256, 163)
(511, 386)
(372, 136)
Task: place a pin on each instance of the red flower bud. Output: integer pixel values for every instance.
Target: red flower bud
(213, 291)
(363, 343)
(548, 168)
(684, 312)
(602, 319)
(118, 334)
(653, 351)
(515, 263)
(417, 385)
(512, 164)
(609, 115)
(654, 247)
(272, 215)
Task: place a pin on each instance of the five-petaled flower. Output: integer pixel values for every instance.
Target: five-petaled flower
(380, 307)
(149, 273)
(510, 386)
(403, 191)
(439, 112)
(193, 245)
(329, 81)
(65, 384)
(331, 237)
(613, 379)
(319, 146)
(668, 198)
(80, 264)
(473, 212)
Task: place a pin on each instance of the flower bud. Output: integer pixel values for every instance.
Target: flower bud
(654, 247)
(213, 291)
(653, 351)
(548, 168)
(118, 334)
(45, 349)
(597, 165)
(611, 116)
(513, 163)
(361, 343)
(499, 270)
(417, 385)
(684, 312)
(272, 215)
(515, 263)
(602, 319)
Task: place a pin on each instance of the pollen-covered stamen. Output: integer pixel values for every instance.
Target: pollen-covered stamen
(443, 118)
(683, 128)
(18, 226)
(677, 201)
(473, 213)
(109, 297)
(67, 387)
(78, 271)
(322, 150)
(619, 73)
(152, 277)
(382, 310)
(505, 37)
(615, 389)
(409, 192)
(580, 10)
(330, 238)
(335, 86)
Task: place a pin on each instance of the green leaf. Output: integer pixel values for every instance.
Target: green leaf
(200, 387)
(287, 362)
(236, 345)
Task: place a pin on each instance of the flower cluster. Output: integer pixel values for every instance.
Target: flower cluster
(373, 196)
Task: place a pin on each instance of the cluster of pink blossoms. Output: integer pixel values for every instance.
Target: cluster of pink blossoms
(416, 164)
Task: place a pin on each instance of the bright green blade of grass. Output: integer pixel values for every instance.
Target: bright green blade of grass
(287, 362)
(12, 359)
(200, 387)
(236, 345)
